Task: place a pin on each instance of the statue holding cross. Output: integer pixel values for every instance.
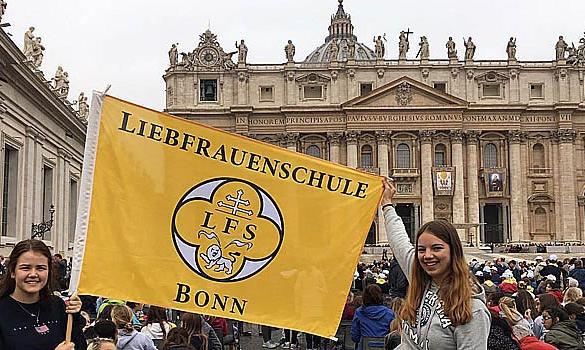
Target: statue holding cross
(403, 44)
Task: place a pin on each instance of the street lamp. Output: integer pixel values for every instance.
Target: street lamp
(37, 231)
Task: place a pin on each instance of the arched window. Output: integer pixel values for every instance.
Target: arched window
(314, 151)
(366, 157)
(490, 156)
(402, 156)
(440, 155)
(538, 156)
(540, 224)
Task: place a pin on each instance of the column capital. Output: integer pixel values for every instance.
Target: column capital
(564, 135)
(383, 136)
(288, 139)
(352, 136)
(456, 136)
(31, 132)
(334, 138)
(426, 136)
(516, 136)
(472, 136)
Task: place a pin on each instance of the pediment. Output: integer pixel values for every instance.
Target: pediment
(405, 93)
(313, 78)
(491, 77)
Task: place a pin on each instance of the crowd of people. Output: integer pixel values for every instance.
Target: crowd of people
(425, 297)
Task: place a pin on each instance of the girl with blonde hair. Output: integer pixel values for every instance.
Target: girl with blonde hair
(572, 294)
(445, 306)
(128, 337)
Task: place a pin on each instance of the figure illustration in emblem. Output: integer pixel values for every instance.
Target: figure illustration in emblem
(215, 257)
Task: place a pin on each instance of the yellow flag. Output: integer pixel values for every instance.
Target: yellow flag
(185, 216)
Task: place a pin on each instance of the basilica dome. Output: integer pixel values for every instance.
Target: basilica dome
(340, 34)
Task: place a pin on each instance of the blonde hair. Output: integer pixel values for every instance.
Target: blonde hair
(572, 294)
(508, 307)
(96, 343)
(396, 306)
(122, 317)
(457, 287)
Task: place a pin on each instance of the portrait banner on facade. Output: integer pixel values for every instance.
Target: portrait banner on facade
(495, 182)
(181, 215)
(444, 178)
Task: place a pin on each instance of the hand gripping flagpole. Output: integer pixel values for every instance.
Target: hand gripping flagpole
(89, 156)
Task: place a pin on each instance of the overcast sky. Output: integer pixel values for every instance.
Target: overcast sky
(125, 42)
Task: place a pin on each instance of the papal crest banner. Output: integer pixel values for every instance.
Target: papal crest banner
(185, 216)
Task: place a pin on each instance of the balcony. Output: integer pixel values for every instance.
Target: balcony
(369, 169)
(540, 172)
(405, 172)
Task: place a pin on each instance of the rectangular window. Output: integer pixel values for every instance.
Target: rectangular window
(208, 89)
(266, 93)
(47, 197)
(72, 209)
(9, 191)
(491, 90)
(536, 90)
(365, 88)
(439, 158)
(313, 91)
(440, 85)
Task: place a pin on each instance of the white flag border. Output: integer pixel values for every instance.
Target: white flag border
(85, 191)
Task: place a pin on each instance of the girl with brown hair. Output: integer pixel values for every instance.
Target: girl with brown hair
(445, 306)
(201, 335)
(31, 317)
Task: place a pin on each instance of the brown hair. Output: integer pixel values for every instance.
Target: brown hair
(193, 324)
(572, 294)
(547, 301)
(8, 283)
(159, 315)
(396, 306)
(508, 307)
(373, 295)
(456, 290)
(122, 317)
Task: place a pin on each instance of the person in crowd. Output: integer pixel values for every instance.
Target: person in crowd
(178, 339)
(509, 284)
(2, 265)
(349, 308)
(544, 301)
(314, 341)
(441, 286)
(392, 340)
(578, 273)
(397, 282)
(60, 266)
(562, 331)
(552, 287)
(157, 326)
(101, 344)
(128, 337)
(500, 331)
(514, 318)
(219, 324)
(571, 295)
(528, 341)
(552, 268)
(516, 271)
(31, 317)
(200, 332)
(526, 306)
(290, 339)
(575, 312)
(373, 318)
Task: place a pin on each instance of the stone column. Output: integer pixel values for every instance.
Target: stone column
(291, 90)
(334, 141)
(566, 139)
(481, 220)
(243, 78)
(416, 216)
(458, 194)
(382, 137)
(29, 178)
(472, 182)
(352, 152)
(426, 179)
(515, 137)
(59, 236)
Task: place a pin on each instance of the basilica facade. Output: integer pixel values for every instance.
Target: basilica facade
(496, 147)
